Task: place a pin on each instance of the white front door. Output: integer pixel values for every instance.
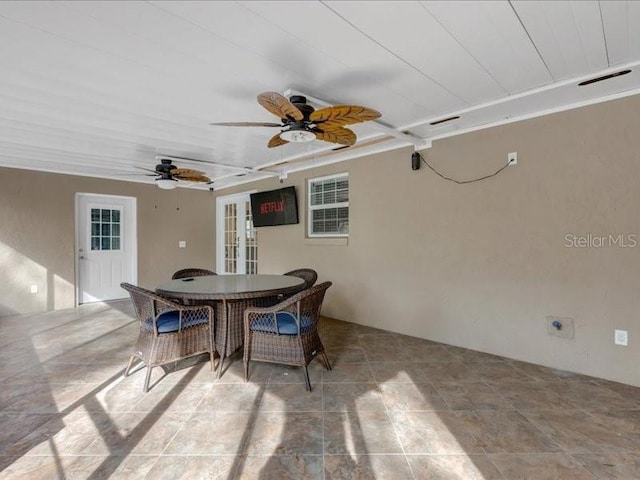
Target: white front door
(237, 239)
(106, 246)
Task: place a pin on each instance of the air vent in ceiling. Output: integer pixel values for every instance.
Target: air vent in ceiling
(438, 122)
(605, 77)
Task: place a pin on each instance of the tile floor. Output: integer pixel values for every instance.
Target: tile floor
(394, 407)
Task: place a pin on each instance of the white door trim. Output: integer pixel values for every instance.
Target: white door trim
(220, 202)
(78, 242)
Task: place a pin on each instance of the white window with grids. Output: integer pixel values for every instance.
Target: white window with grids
(328, 213)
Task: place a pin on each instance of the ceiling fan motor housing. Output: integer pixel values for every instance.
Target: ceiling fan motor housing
(301, 104)
(165, 166)
(298, 130)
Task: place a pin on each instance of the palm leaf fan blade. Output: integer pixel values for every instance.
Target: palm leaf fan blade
(186, 172)
(343, 136)
(189, 175)
(276, 141)
(278, 105)
(341, 115)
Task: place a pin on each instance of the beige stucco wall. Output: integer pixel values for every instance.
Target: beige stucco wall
(482, 265)
(37, 235)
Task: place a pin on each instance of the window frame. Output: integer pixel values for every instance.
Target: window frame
(311, 208)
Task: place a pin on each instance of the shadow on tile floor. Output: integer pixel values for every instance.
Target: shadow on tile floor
(392, 407)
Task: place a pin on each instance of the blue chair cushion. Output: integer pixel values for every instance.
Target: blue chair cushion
(286, 323)
(169, 321)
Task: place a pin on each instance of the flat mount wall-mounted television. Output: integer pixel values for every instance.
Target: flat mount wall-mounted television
(275, 207)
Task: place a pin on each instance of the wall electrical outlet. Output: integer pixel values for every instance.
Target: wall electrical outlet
(182, 244)
(34, 288)
(512, 158)
(621, 337)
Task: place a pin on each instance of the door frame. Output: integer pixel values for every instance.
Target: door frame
(132, 204)
(220, 201)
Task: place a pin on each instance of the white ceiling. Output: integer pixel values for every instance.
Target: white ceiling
(100, 88)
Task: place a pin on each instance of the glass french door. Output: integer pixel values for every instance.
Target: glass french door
(237, 239)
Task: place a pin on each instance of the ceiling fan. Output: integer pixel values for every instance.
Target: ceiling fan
(169, 175)
(300, 122)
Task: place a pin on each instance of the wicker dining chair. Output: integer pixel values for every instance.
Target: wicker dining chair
(192, 272)
(168, 331)
(308, 275)
(286, 333)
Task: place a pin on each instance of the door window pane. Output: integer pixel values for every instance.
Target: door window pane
(105, 229)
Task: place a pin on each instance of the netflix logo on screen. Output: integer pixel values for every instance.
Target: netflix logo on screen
(275, 207)
(267, 207)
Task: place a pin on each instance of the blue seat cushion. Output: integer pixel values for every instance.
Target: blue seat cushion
(169, 321)
(286, 323)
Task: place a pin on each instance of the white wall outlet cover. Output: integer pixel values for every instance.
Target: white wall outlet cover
(182, 244)
(621, 337)
(512, 158)
(34, 288)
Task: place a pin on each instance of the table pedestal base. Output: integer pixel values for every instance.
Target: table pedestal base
(229, 324)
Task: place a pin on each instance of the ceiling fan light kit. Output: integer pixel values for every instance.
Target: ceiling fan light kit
(297, 136)
(167, 183)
